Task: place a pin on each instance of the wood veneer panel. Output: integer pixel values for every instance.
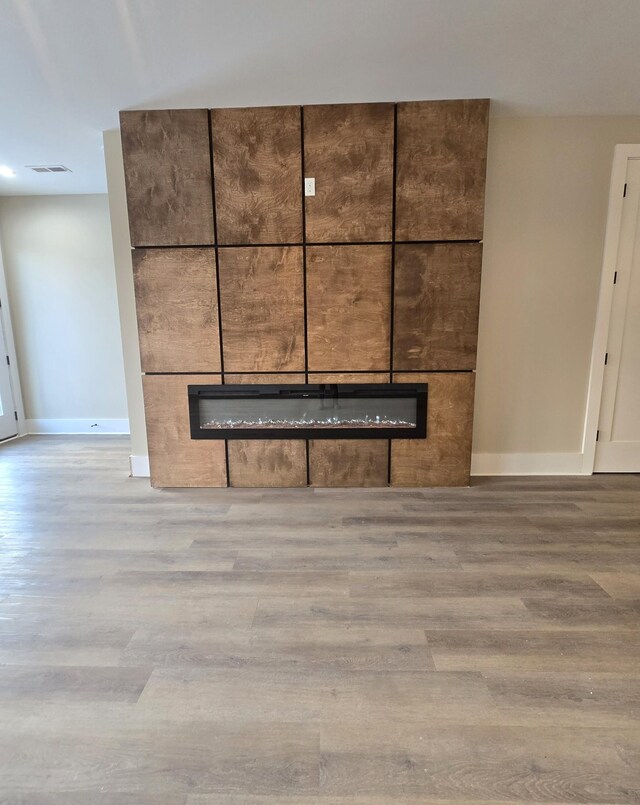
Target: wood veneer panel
(441, 163)
(348, 377)
(176, 303)
(266, 378)
(437, 294)
(262, 308)
(348, 462)
(176, 459)
(258, 174)
(444, 457)
(167, 167)
(348, 149)
(267, 462)
(348, 307)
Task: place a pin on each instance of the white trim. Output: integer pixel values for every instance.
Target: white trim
(139, 466)
(622, 153)
(93, 426)
(11, 349)
(527, 464)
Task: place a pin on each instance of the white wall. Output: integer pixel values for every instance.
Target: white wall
(546, 208)
(59, 268)
(126, 300)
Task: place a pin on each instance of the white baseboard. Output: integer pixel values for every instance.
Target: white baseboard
(97, 426)
(526, 464)
(139, 466)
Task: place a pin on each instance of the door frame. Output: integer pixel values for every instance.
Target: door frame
(11, 349)
(621, 155)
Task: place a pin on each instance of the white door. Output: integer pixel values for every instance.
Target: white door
(618, 445)
(8, 423)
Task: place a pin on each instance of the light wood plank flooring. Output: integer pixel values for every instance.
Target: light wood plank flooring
(249, 647)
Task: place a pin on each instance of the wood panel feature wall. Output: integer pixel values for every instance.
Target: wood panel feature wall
(375, 277)
(444, 457)
(348, 149)
(441, 164)
(267, 462)
(262, 304)
(175, 458)
(348, 307)
(176, 302)
(167, 169)
(437, 297)
(258, 174)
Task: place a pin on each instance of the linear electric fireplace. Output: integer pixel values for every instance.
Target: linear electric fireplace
(297, 411)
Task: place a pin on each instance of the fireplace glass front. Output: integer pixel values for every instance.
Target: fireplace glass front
(297, 411)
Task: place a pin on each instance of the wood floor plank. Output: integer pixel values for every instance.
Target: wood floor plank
(90, 797)
(621, 584)
(582, 555)
(456, 583)
(86, 684)
(572, 698)
(591, 614)
(574, 523)
(48, 635)
(234, 583)
(260, 757)
(404, 613)
(470, 763)
(303, 650)
(363, 697)
(126, 608)
(104, 561)
(401, 799)
(513, 650)
(356, 557)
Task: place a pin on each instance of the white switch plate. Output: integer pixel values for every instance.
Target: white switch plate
(309, 187)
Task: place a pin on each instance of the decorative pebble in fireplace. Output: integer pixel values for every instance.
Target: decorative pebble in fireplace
(327, 411)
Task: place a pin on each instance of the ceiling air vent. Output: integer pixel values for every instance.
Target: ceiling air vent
(49, 168)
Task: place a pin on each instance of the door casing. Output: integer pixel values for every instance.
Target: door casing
(11, 351)
(622, 154)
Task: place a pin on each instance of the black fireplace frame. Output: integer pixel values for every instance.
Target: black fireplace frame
(418, 391)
